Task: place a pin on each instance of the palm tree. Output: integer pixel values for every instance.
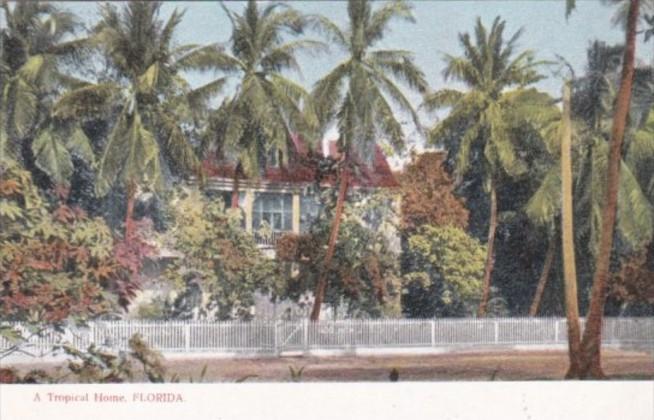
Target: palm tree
(488, 68)
(267, 106)
(591, 342)
(635, 223)
(147, 98)
(356, 93)
(558, 183)
(36, 55)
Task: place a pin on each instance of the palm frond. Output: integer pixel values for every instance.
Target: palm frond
(200, 96)
(284, 57)
(379, 20)
(89, 100)
(131, 156)
(52, 157)
(178, 149)
(402, 68)
(398, 98)
(327, 92)
(328, 29)
(441, 99)
(388, 125)
(21, 107)
(545, 205)
(635, 214)
(209, 57)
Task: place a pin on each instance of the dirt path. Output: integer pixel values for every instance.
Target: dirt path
(509, 365)
(517, 365)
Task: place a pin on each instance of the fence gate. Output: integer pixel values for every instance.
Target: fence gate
(290, 336)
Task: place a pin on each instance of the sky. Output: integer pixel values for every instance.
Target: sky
(435, 33)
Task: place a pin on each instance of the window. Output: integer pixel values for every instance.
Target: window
(309, 209)
(274, 209)
(273, 158)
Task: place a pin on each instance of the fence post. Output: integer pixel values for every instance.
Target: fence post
(433, 333)
(305, 338)
(556, 331)
(497, 331)
(187, 337)
(91, 333)
(275, 339)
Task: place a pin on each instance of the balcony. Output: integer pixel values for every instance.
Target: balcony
(269, 239)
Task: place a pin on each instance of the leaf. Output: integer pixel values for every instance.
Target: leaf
(11, 334)
(10, 210)
(22, 106)
(132, 155)
(52, 157)
(148, 80)
(79, 145)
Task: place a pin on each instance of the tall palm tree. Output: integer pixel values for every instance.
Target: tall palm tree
(266, 107)
(147, 98)
(586, 168)
(488, 67)
(559, 183)
(36, 56)
(357, 94)
(591, 342)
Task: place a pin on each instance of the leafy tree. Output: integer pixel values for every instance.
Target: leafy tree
(364, 279)
(356, 94)
(447, 266)
(427, 194)
(485, 114)
(266, 108)
(219, 258)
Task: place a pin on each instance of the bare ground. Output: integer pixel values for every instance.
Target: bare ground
(470, 366)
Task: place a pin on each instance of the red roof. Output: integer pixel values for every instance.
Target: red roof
(301, 167)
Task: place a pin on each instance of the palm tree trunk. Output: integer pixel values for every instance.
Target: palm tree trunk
(490, 256)
(544, 275)
(567, 240)
(591, 360)
(333, 236)
(129, 214)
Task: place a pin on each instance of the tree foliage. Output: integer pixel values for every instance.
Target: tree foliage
(267, 106)
(361, 93)
(428, 194)
(363, 280)
(55, 261)
(447, 265)
(219, 257)
(38, 47)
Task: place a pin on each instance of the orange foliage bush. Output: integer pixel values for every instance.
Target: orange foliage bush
(428, 196)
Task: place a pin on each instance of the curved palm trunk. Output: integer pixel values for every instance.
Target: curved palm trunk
(567, 241)
(333, 236)
(591, 343)
(490, 256)
(544, 276)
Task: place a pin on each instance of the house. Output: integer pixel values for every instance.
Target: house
(283, 198)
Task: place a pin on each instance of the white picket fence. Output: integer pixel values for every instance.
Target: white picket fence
(280, 336)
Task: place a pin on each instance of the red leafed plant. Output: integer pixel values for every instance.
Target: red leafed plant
(57, 263)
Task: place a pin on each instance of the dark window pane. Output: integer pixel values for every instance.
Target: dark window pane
(277, 221)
